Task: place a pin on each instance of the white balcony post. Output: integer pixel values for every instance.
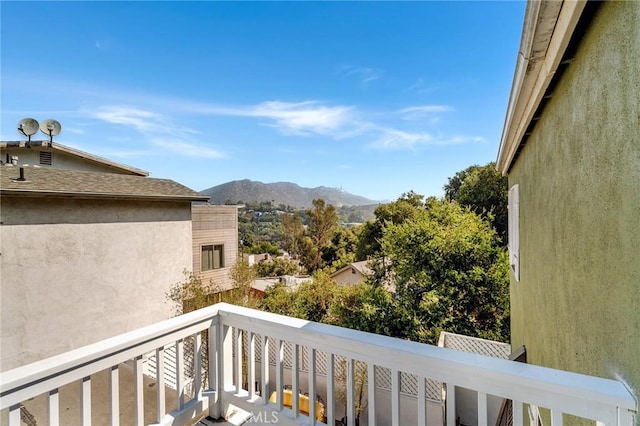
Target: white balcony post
(238, 340)
(85, 398)
(451, 405)
(214, 371)
(482, 409)
(160, 395)
(138, 407)
(556, 418)
(251, 366)
(331, 399)
(14, 415)
(312, 386)
(197, 358)
(351, 403)
(114, 391)
(422, 402)
(180, 373)
(395, 397)
(265, 369)
(279, 373)
(371, 392)
(295, 380)
(54, 408)
(225, 358)
(517, 413)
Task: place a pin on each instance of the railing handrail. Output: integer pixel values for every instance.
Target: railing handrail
(565, 391)
(492, 375)
(87, 357)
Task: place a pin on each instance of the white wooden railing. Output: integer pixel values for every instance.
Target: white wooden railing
(234, 330)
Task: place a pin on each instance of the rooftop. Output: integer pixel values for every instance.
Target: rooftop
(81, 184)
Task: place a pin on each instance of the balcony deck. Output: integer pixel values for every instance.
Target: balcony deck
(221, 349)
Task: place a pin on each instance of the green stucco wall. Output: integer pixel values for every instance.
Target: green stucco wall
(577, 304)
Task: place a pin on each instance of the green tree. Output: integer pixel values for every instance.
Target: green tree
(323, 222)
(450, 273)
(292, 232)
(342, 250)
(484, 190)
(404, 208)
(277, 267)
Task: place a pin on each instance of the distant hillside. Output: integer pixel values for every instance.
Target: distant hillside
(242, 191)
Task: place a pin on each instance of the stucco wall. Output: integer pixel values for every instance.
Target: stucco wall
(213, 225)
(577, 304)
(78, 271)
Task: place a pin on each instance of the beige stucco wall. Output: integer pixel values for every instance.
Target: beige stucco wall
(577, 304)
(213, 225)
(78, 271)
(348, 276)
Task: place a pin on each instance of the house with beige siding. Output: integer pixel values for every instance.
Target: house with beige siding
(571, 151)
(215, 243)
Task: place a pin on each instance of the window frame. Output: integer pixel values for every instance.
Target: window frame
(210, 263)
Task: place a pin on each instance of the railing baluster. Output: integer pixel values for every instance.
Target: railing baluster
(160, 398)
(371, 392)
(312, 386)
(395, 397)
(295, 380)
(331, 400)
(138, 407)
(265, 369)
(14, 415)
(114, 391)
(85, 398)
(422, 402)
(237, 338)
(517, 413)
(556, 418)
(54, 408)
(197, 367)
(180, 373)
(251, 366)
(482, 409)
(451, 404)
(214, 373)
(280, 373)
(226, 358)
(351, 403)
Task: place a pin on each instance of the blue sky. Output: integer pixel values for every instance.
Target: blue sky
(378, 98)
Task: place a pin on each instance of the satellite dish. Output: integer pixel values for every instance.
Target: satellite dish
(28, 126)
(50, 127)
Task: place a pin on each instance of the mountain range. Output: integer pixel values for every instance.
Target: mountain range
(243, 191)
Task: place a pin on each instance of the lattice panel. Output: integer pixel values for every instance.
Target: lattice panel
(476, 345)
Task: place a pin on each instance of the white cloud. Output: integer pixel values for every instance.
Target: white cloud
(395, 139)
(186, 149)
(420, 87)
(424, 112)
(365, 74)
(74, 130)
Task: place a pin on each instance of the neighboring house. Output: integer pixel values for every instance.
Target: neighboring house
(55, 155)
(86, 256)
(353, 273)
(254, 259)
(571, 150)
(215, 243)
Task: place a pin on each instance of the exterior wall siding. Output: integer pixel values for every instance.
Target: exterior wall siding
(60, 160)
(213, 225)
(75, 272)
(577, 304)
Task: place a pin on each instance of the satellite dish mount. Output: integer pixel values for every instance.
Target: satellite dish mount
(28, 127)
(51, 128)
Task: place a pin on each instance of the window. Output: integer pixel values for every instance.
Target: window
(212, 257)
(514, 231)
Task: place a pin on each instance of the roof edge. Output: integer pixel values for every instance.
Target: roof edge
(534, 72)
(94, 195)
